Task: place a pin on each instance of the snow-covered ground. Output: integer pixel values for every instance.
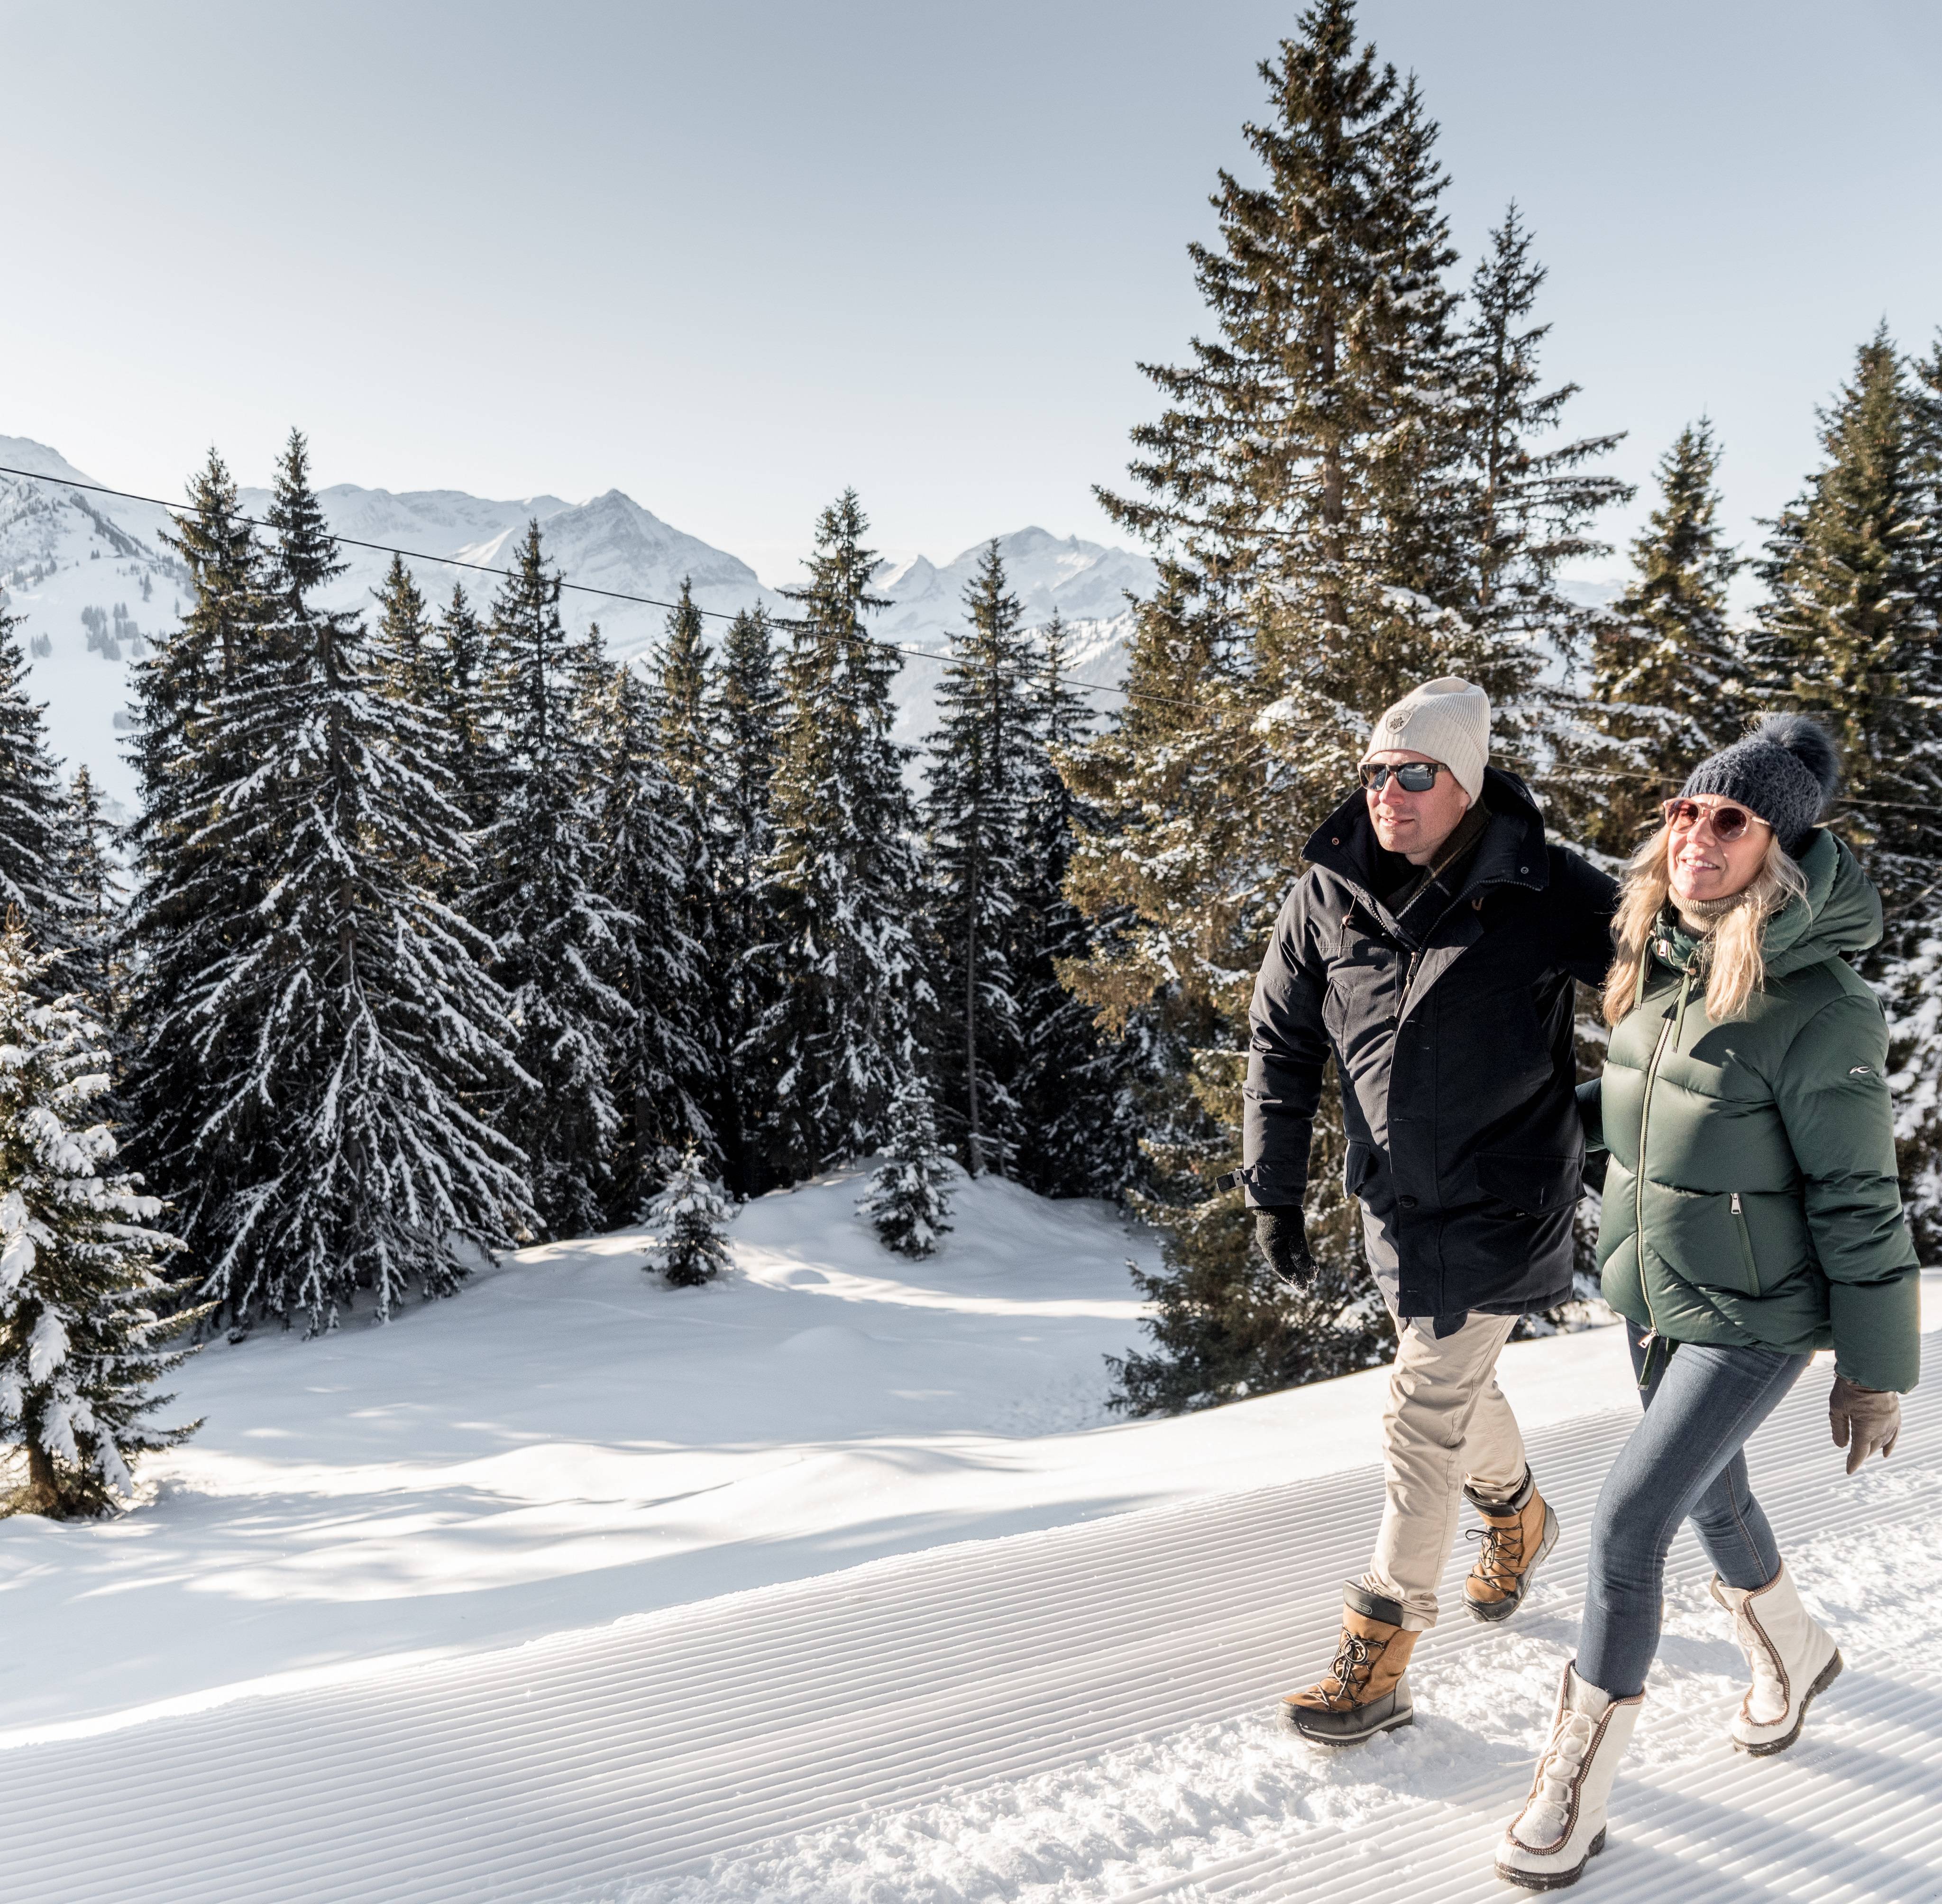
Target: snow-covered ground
(835, 1581)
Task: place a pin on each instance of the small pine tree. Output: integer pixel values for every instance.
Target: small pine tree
(79, 1288)
(690, 1219)
(908, 1198)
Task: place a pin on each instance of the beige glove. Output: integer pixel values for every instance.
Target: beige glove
(1863, 1419)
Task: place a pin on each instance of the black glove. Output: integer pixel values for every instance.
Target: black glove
(1282, 1239)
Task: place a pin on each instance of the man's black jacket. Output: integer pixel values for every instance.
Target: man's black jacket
(1451, 1028)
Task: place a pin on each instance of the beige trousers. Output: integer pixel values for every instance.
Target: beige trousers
(1447, 1423)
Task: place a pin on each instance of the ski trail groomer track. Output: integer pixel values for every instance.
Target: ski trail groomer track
(1083, 1712)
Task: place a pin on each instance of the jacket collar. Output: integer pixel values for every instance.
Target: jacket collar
(1512, 851)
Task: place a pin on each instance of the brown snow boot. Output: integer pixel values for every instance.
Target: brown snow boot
(1366, 1692)
(1517, 1534)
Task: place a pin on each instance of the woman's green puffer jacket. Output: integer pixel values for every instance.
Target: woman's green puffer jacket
(1751, 1199)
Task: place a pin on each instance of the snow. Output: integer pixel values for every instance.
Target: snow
(64, 552)
(834, 1581)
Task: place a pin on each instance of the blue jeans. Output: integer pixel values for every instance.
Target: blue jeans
(1684, 1460)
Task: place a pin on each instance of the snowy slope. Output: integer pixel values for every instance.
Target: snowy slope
(832, 1582)
(90, 579)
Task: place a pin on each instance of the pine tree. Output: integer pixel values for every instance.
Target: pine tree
(1852, 632)
(747, 709)
(31, 810)
(91, 884)
(199, 883)
(1849, 632)
(81, 1339)
(690, 1220)
(982, 761)
(542, 898)
(346, 1026)
(908, 1198)
(1347, 497)
(460, 692)
(839, 1038)
(1666, 667)
(692, 768)
(655, 1062)
(1075, 1086)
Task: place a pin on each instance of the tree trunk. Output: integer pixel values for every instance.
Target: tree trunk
(42, 1496)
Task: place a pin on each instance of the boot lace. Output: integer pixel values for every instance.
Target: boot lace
(1558, 1771)
(1352, 1666)
(1500, 1559)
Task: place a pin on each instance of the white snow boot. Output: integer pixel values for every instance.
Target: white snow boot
(1792, 1657)
(1562, 1825)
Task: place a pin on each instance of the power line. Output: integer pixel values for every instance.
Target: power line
(781, 621)
(578, 588)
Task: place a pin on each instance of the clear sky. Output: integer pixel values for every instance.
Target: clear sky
(731, 256)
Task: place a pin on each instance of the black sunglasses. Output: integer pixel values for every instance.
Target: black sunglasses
(1413, 776)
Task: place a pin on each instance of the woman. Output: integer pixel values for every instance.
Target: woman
(1751, 1216)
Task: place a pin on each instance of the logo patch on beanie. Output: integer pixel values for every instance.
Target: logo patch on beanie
(1398, 720)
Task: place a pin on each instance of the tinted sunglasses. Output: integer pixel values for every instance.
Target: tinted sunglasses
(1413, 776)
(1728, 823)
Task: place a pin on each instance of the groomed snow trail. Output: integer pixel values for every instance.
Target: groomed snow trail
(1086, 1712)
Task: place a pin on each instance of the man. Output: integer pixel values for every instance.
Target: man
(1432, 947)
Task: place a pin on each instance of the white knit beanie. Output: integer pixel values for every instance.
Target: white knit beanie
(1448, 719)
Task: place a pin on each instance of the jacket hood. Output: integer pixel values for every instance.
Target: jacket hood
(1842, 914)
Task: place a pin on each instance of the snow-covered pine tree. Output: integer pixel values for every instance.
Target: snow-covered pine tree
(543, 899)
(983, 756)
(32, 807)
(747, 708)
(653, 1059)
(461, 689)
(908, 1197)
(406, 668)
(1075, 1085)
(90, 960)
(346, 1025)
(693, 769)
(1666, 670)
(80, 1342)
(689, 1218)
(1852, 632)
(198, 883)
(1297, 487)
(839, 1037)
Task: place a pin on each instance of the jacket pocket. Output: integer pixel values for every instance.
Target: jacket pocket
(1699, 1236)
(1744, 1238)
(1533, 1186)
(1358, 1167)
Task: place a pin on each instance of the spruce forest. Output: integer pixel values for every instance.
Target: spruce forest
(439, 931)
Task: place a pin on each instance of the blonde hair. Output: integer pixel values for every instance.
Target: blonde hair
(1731, 953)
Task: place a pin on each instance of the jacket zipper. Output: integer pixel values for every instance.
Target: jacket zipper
(1746, 1245)
(1653, 1340)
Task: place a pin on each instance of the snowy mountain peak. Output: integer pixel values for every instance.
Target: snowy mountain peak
(92, 581)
